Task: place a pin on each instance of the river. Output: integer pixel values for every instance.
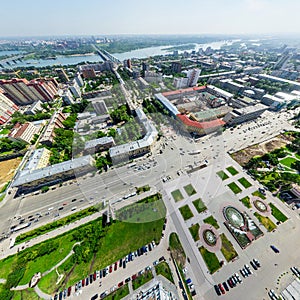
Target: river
(139, 53)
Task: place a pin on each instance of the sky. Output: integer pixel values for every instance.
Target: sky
(104, 17)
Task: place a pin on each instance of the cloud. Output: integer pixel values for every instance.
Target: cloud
(256, 5)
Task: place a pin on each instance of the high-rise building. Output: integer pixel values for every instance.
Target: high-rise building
(7, 108)
(176, 67)
(24, 92)
(75, 89)
(79, 80)
(62, 75)
(193, 76)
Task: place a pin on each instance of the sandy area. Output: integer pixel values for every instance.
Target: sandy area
(7, 169)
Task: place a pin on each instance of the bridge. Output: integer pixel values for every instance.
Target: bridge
(106, 56)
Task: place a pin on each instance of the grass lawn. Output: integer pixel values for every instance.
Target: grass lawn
(176, 249)
(142, 279)
(244, 182)
(164, 270)
(210, 260)
(56, 224)
(199, 205)
(246, 201)
(287, 161)
(194, 230)
(146, 210)
(270, 226)
(227, 248)
(259, 194)
(280, 216)
(119, 293)
(232, 170)
(177, 195)
(189, 189)
(4, 131)
(28, 294)
(212, 221)
(222, 175)
(233, 186)
(186, 212)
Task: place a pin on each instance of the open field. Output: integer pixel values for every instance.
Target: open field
(278, 214)
(164, 270)
(194, 230)
(7, 169)
(232, 170)
(234, 187)
(177, 195)
(189, 189)
(212, 221)
(222, 175)
(199, 205)
(186, 212)
(227, 248)
(210, 260)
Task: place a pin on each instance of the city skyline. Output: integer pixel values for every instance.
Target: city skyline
(134, 17)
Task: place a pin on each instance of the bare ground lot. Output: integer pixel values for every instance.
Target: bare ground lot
(7, 169)
(244, 155)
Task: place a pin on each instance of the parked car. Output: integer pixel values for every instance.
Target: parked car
(94, 297)
(230, 283)
(110, 268)
(274, 249)
(225, 286)
(221, 288)
(116, 266)
(253, 265)
(217, 290)
(257, 263)
(120, 284)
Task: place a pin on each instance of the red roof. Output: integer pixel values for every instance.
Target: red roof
(182, 91)
(203, 125)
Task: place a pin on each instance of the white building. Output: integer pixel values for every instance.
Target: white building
(23, 132)
(75, 89)
(67, 97)
(193, 76)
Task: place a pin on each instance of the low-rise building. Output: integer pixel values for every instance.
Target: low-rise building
(55, 122)
(38, 159)
(29, 181)
(34, 108)
(23, 132)
(244, 114)
(100, 144)
(126, 152)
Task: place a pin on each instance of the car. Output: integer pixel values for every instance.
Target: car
(297, 270)
(133, 276)
(247, 268)
(221, 288)
(274, 249)
(69, 291)
(87, 281)
(55, 297)
(225, 286)
(76, 287)
(257, 263)
(100, 274)
(120, 263)
(110, 268)
(162, 258)
(120, 284)
(244, 274)
(94, 276)
(188, 281)
(61, 208)
(60, 295)
(238, 278)
(65, 293)
(155, 263)
(83, 282)
(73, 200)
(234, 280)
(91, 278)
(217, 290)
(127, 279)
(94, 297)
(79, 284)
(253, 265)
(97, 274)
(294, 270)
(230, 283)
(116, 266)
(124, 264)
(150, 247)
(104, 294)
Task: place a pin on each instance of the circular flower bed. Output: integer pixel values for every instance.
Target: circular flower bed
(261, 206)
(209, 237)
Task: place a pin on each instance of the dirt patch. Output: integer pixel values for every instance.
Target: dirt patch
(7, 169)
(244, 155)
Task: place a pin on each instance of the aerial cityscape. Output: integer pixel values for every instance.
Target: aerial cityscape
(150, 150)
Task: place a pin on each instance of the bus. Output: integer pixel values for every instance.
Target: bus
(21, 226)
(131, 165)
